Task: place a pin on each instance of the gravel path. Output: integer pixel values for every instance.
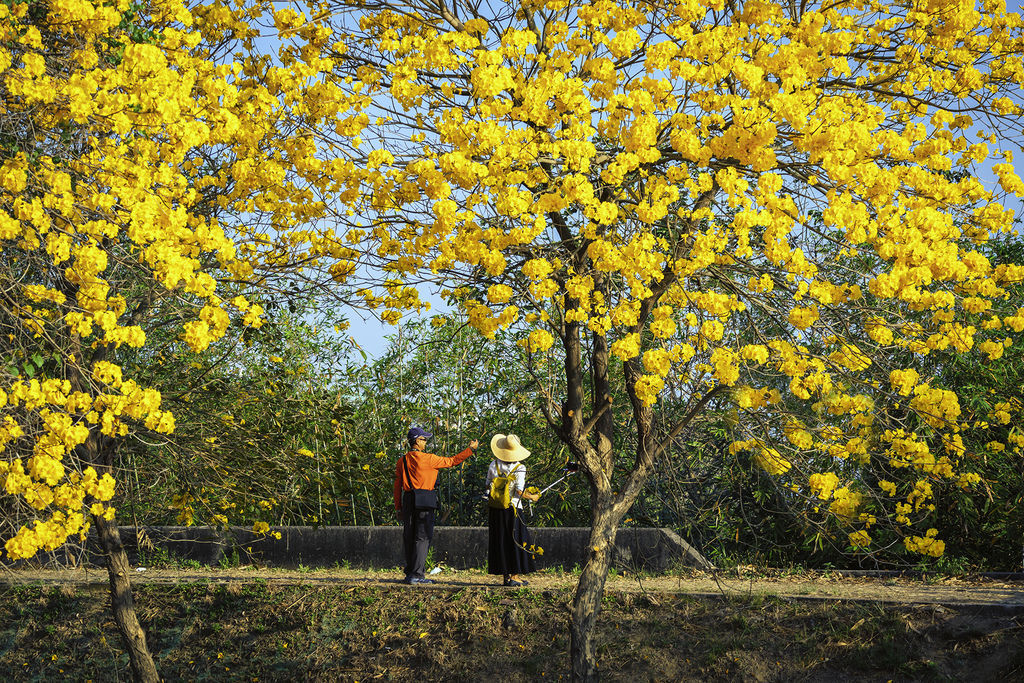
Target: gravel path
(968, 591)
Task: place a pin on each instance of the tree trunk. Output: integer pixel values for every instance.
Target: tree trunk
(586, 603)
(123, 604)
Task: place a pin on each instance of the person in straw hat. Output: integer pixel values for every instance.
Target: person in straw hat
(509, 537)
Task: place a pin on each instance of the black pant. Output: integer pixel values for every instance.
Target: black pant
(416, 537)
(508, 542)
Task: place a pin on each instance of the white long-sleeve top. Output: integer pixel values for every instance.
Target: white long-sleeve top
(517, 470)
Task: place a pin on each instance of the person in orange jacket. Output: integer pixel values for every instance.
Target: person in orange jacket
(416, 500)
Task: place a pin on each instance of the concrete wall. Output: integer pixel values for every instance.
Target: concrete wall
(381, 546)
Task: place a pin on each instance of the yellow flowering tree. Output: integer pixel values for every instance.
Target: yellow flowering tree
(772, 205)
(982, 522)
(157, 173)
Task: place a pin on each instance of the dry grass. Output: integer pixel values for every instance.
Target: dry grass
(255, 631)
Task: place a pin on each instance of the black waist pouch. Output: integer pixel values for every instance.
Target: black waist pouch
(422, 499)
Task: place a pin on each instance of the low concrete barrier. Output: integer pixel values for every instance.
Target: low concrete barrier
(380, 547)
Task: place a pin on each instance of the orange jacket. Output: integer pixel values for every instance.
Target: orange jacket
(423, 469)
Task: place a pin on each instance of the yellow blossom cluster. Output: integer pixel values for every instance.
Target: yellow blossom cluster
(67, 503)
(823, 484)
(752, 399)
(859, 539)
(928, 544)
(771, 461)
(845, 503)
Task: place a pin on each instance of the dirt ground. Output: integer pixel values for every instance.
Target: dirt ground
(965, 591)
(741, 626)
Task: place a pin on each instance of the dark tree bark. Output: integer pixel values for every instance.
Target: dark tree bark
(122, 602)
(586, 602)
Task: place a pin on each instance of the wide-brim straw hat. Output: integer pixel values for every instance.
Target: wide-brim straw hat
(507, 448)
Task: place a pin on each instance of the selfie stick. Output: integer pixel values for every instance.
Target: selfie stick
(568, 470)
(556, 481)
(571, 468)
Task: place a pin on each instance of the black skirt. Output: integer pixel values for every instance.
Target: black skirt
(507, 544)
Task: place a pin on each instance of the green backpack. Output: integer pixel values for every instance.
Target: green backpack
(500, 496)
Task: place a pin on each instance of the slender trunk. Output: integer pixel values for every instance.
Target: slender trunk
(98, 451)
(586, 603)
(123, 604)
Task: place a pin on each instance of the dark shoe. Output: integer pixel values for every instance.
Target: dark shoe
(415, 581)
(512, 583)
